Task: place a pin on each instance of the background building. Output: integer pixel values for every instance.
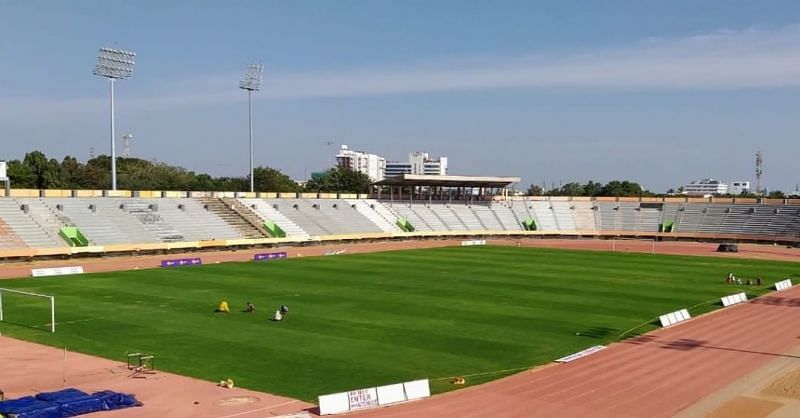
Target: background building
(370, 164)
(705, 187)
(419, 163)
(739, 187)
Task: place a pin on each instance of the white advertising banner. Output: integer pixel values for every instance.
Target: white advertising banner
(353, 400)
(473, 242)
(391, 394)
(417, 389)
(734, 299)
(363, 398)
(2, 170)
(56, 271)
(673, 318)
(581, 354)
(336, 403)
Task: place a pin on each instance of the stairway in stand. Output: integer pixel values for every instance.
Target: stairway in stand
(234, 215)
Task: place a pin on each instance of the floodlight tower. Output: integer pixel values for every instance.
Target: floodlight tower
(251, 83)
(114, 64)
(759, 170)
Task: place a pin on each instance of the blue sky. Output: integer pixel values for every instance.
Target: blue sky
(555, 91)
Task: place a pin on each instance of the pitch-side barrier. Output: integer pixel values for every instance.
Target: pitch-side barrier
(269, 256)
(338, 403)
(56, 271)
(673, 318)
(181, 262)
(783, 284)
(734, 299)
(471, 242)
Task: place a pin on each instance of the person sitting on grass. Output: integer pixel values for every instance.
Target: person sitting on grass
(284, 310)
(223, 307)
(277, 317)
(250, 308)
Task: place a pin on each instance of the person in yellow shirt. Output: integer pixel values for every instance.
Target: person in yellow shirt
(223, 307)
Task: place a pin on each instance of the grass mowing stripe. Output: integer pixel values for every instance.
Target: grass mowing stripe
(370, 319)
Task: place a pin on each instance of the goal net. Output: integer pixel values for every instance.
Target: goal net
(29, 309)
(638, 245)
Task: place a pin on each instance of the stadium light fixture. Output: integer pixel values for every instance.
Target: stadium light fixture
(114, 64)
(252, 82)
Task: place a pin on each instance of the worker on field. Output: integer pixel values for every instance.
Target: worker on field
(284, 310)
(277, 316)
(250, 308)
(223, 307)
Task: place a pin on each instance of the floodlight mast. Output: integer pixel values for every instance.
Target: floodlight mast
(251, 83)
(114, 64)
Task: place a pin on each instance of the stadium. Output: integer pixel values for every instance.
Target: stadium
(248, 244)
(468, 297)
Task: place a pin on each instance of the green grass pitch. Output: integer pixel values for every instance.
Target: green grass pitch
(371, 319)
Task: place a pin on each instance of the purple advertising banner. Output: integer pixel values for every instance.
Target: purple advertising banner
(181, 262)
(269, 256)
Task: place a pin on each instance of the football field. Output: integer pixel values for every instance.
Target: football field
(371, 319)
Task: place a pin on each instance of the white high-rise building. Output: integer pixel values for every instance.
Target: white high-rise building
(419, 163)
(705, 187)
(372, 165)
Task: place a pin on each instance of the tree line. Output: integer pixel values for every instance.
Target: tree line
(618, 188)
(36, 171)
(621, 188)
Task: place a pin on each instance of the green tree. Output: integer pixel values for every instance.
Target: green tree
(96, 175)
(572, 189)
(340, 179)
(623, 188)
(53, 176)
(592, 188)
(21, 175)
(271, 180)
(36, 171)
(72, 170)
(37, 163)
(534, 190)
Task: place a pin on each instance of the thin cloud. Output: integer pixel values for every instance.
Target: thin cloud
(722, 60)
(744, 59)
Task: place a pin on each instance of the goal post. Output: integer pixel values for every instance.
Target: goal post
(8, 292)
(638, 244)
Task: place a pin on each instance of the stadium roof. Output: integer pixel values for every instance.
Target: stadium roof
(407, 180)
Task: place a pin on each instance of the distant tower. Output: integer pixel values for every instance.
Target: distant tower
(759, 170)
(126, 145)
(331, 159)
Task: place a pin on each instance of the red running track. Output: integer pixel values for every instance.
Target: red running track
(654, 375)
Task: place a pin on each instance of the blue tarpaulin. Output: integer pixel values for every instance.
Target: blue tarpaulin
(30, 407)
(66, 403)
(115, 400)
(61, 395)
